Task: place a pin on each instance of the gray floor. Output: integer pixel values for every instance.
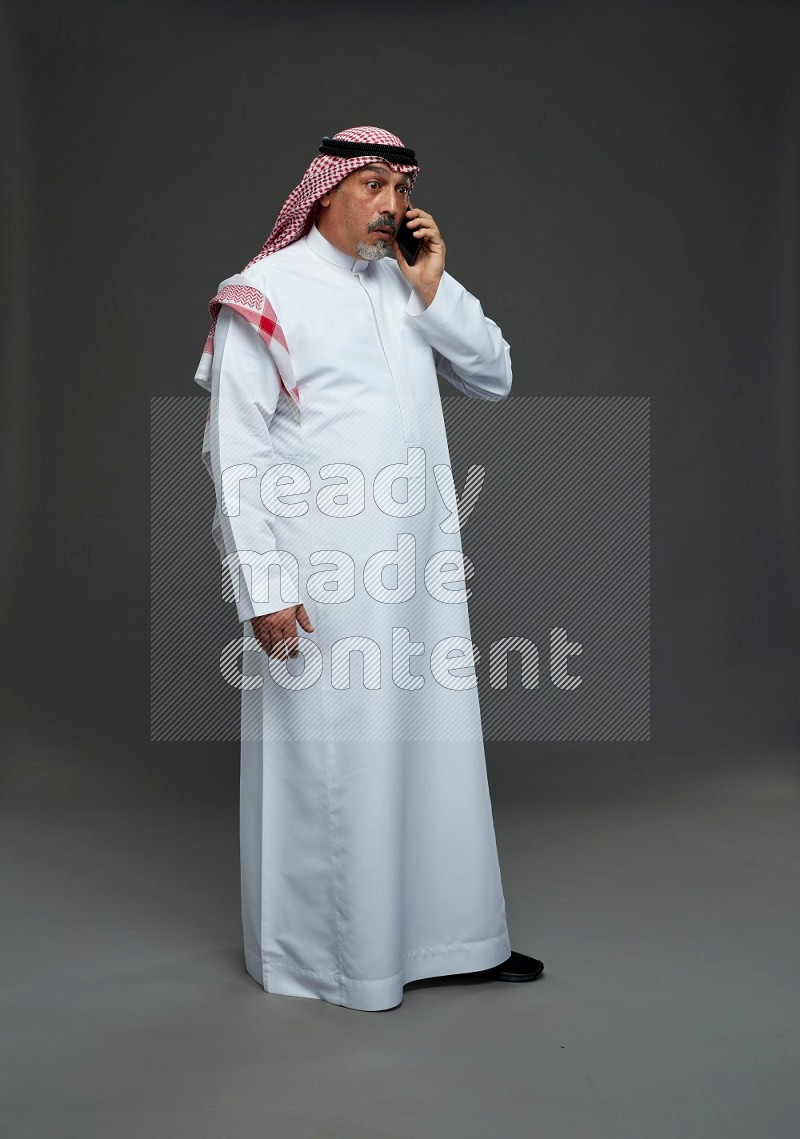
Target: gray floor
(661, 897)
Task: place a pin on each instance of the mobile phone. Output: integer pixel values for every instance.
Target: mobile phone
(408, 242)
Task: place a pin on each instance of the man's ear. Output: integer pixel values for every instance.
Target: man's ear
(325, 200)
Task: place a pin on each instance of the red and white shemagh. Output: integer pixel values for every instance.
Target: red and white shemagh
(298, 214)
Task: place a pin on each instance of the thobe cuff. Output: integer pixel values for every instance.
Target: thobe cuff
(472, 354)
(441, 308)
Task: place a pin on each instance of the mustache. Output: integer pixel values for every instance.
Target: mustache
(385, 223)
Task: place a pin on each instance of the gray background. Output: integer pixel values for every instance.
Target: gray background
(619, 186)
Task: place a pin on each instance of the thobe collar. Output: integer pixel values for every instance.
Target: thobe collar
(328, 252)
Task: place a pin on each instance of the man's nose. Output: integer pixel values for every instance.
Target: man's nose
(388, 203)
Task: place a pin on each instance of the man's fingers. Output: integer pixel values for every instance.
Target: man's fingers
(287, 642)
(428, 230)
(303, 619)
(277, 632)
(269, 637)
(279, 640)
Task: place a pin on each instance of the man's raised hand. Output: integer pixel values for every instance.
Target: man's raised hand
(426, 272)
(277, 632)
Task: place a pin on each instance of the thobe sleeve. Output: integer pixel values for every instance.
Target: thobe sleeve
(469, 349)
(245, 388)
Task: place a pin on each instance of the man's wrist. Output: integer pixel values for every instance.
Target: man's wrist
(442, 306)
(424, 297)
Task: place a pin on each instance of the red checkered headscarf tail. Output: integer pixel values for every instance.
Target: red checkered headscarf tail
(297, 216)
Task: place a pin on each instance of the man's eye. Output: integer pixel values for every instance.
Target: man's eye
(404, 190)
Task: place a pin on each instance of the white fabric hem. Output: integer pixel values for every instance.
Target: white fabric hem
(384, 992)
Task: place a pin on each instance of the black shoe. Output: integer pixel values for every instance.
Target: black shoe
(517, 967)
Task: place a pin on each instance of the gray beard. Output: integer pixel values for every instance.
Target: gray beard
(374, 252)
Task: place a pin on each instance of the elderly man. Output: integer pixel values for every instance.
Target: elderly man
(368, 854)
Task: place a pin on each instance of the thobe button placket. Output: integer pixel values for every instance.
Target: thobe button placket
(358, 267)
(396, 364)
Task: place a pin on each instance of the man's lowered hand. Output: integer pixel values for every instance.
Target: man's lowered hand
(277, 632)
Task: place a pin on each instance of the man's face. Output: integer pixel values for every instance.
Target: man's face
(363, 213)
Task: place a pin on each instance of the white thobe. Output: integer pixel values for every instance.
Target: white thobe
(368, 852)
